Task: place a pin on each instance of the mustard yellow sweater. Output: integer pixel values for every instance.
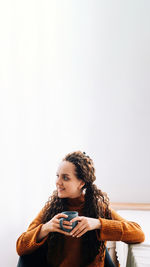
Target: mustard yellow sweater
(117, 229)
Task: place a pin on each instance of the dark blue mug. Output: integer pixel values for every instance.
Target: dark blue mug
(71, 215)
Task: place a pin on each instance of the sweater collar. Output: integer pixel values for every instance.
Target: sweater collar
(76, 202)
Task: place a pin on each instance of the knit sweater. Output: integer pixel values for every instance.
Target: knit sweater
(117, 229)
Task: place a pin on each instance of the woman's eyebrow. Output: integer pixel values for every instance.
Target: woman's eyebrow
(63, 174)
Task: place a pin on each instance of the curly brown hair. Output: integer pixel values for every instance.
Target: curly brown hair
(96, 205)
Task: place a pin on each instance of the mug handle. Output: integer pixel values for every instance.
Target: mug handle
(61, 223)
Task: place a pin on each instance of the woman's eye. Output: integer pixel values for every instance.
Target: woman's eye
(65, 178)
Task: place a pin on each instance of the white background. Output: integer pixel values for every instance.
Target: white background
(74, 75)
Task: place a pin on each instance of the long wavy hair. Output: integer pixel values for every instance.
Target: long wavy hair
(95, 205)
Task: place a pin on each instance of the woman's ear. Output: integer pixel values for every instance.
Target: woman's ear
(82, 183)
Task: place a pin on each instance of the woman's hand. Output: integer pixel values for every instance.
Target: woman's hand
(54, 226)
(84, 224)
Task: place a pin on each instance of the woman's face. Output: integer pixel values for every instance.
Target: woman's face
(67, 183)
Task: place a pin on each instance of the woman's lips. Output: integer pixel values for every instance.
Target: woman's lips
(61, 189)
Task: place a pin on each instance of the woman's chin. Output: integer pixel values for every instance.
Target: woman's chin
(61, 194)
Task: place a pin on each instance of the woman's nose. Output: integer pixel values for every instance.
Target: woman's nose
(59, 181)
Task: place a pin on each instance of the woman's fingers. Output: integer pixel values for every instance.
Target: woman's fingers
(66, 224)
(80, 226)
(67, 227)
(82, 233)
(76, 231)
(56, 228)
(61, 215)
(79, 218)
(63, 232)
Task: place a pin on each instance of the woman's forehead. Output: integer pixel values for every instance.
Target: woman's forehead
(66, 167)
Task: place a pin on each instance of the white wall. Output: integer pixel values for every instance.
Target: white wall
(73, 75)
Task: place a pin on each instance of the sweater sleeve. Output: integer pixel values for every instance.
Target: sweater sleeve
(27, 242)
(119, 229)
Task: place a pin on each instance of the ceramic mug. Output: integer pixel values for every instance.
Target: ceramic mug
(71, 215)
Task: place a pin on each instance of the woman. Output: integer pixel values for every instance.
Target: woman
(85, 245)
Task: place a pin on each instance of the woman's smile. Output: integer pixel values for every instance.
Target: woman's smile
(60, 189)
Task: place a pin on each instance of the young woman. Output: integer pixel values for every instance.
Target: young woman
(85, 245)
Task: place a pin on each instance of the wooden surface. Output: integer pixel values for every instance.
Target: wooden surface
(130, 206)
